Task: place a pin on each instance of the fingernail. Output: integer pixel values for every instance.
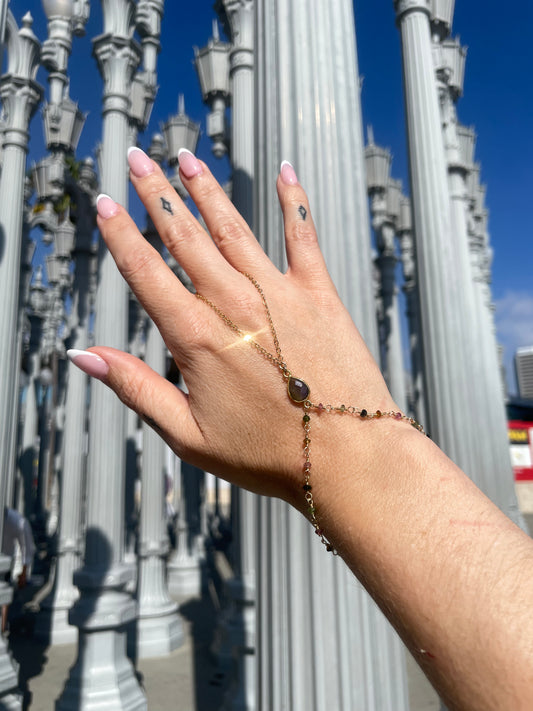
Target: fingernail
(189, 163)
(89, 362)
(288, 174)
(105, 206)
(140, 164)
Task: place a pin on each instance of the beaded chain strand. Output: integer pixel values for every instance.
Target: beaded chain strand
(299, 393)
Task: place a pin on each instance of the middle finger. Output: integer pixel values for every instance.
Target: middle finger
(182, 234)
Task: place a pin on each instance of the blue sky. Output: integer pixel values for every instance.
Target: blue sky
(498, 102)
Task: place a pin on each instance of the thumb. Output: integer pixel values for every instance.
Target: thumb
(157, 401)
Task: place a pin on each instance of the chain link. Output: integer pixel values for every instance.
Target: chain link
(277, 359)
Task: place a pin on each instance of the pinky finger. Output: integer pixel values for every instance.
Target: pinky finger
(156, 400)
(304, 257)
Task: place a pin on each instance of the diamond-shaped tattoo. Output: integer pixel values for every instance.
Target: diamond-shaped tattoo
(166, 205)
(302, 211)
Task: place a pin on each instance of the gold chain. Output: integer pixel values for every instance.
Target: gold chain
(299, 392)
(275, 359)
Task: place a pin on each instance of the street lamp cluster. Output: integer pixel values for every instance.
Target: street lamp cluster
(77, 445)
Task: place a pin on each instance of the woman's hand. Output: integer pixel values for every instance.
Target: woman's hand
(236, 420)
(450, 571)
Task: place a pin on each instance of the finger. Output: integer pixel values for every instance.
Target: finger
(226, 225)
(304, 256)
(181, 232)
(157, 401)
(151, 280)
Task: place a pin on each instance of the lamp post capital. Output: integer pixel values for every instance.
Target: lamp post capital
(237, 17)
(118, 57)
(403, 7)
(19, 92)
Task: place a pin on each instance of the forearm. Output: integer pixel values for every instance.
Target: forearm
(451, 572)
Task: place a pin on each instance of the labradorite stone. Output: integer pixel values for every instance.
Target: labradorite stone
(298, 390)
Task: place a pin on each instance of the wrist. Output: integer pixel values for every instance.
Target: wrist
(354, 463)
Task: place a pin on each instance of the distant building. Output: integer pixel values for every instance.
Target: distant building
(524, 372)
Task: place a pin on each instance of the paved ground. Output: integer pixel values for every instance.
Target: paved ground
(186, 680)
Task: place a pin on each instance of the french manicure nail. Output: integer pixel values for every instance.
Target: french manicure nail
(105, 206)
(288, 174)
(140, 164)
(89, 362)
(189, 163)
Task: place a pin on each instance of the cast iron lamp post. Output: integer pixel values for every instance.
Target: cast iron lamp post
(20, 94)
(180, 132)
(212, 65)
(385, 208)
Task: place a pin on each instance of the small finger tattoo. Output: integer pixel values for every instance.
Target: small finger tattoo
(166, 206)
(303, 212)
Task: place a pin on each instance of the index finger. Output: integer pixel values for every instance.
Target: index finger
(142, 266)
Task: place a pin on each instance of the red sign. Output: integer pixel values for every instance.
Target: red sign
(521, 447)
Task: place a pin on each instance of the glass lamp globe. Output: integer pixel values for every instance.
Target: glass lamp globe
(46, 377)
(61, 8)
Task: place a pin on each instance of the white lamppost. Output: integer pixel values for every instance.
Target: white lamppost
(180, 132)
(385, 208)
(102, 675)
(20, 95)
(408, 258)
(212, 65)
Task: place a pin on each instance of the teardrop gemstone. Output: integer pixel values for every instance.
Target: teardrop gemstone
(297, 389)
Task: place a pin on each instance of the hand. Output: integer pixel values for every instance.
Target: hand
(237, 420)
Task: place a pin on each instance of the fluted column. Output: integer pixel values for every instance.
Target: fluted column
(159, 628)
(102, 674)
(497, 444)
(240, 623)
(239, 15)
(437, 248)
(316, 626)
(186, 564)
(393, 367)
(14, 495)
(52, 623)
(29, 443)
(19, 94)
(408, 258)
(383, 222)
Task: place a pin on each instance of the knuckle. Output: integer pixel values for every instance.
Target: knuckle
(207, 189)
(177, 235)
(303, 232)
(153, 187)
(230, 231)
(244, 303)
(197, 333)
(134, 392)
(138, 263)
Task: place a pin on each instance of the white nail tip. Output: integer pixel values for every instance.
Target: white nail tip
(74, 352)
(286, 162)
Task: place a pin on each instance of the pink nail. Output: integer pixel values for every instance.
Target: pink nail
(105, 206)
(189, 164)
(89, 362)
(140, 164)
(288, 174)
